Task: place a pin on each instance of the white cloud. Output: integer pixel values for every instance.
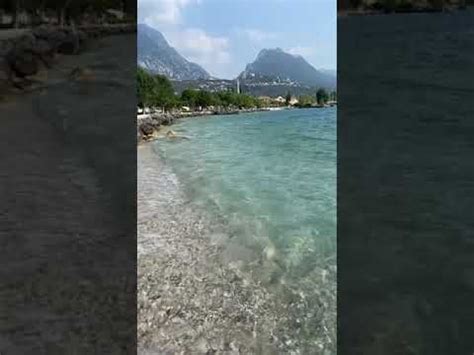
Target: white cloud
(162, 12)
(256, 35)
(212, 52)
(197, 40)
(301, 50)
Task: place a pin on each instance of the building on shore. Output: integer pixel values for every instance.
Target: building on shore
(267, 100)
(293, 101)
(280, 100)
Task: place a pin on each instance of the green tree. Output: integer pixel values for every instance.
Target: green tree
(163, 93)
(189, 97)
(322, 96)
(145, 88)
(288, 98)
(305, 101)
(204, 99)
(228, 98)
(155, 91)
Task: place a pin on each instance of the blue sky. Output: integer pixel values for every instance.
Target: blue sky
(224, 35)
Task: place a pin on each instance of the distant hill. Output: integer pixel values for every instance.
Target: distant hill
(275, 65)
(158, 57)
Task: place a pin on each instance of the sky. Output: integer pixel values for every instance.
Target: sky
(223, 36)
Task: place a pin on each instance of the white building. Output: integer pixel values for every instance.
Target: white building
(293, 101)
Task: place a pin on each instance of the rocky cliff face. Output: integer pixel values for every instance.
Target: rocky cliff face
(158, 57)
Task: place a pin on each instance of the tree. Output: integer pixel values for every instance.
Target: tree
(163, 93)
(154, 91)
(228, 98)
(321, 96)
(157, 91)
(204, 99)
(305, 101)
(145, 87)
(288, 98)
(189, 97)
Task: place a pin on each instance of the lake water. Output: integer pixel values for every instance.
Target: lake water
(267, 178)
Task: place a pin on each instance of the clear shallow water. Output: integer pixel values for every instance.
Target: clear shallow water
(270, 177)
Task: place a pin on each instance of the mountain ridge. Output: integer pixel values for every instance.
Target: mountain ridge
(274, 64)
(156, 56)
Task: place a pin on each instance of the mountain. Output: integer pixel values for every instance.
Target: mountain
(157, 56)
(332, 72)
(275, 65)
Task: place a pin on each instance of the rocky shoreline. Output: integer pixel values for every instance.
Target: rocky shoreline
(25, 53)
(149, 126)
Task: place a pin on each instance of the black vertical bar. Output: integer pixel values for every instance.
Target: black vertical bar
(406, 183)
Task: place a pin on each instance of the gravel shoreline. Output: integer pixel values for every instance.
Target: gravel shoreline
(190, 301)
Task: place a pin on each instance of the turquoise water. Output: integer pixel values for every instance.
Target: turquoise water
(270, 177)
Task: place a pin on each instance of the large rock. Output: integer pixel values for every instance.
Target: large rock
(69, 45)
(147, 129)
(5, 47)
(24, 43)
(22, 55)
(42, 46)
(44, 32)
(23, 63)
(53, 36)
(45, 51)
(166, 120)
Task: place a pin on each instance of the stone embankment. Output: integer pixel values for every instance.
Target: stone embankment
(148, 125)
(24, 53)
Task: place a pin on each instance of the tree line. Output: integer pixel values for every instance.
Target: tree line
(321, 97)
(157, 91)
(65, 11)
